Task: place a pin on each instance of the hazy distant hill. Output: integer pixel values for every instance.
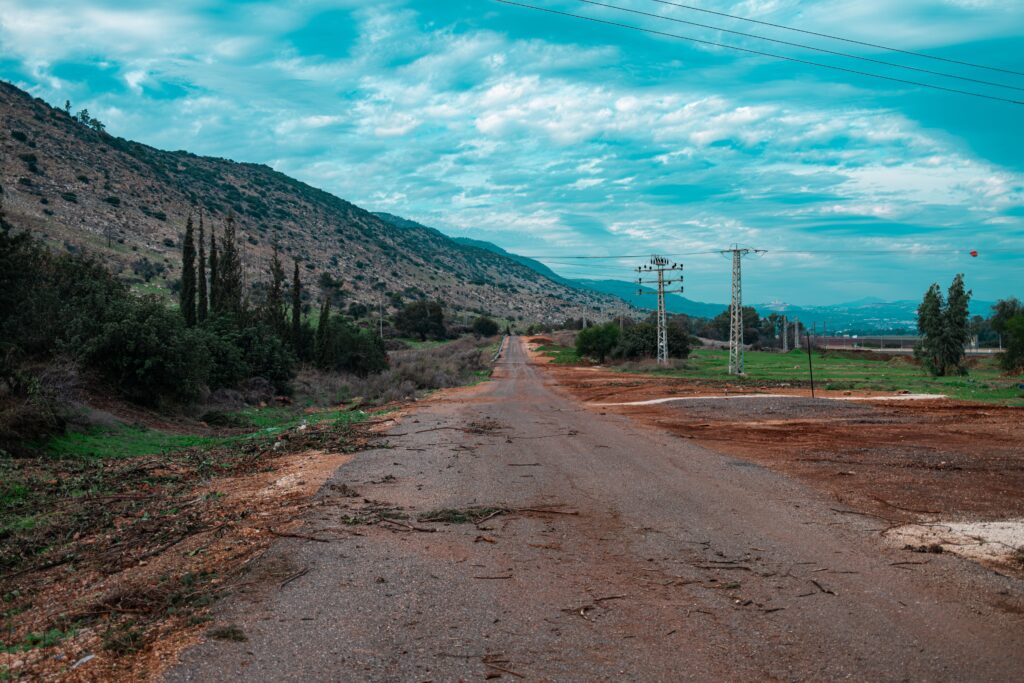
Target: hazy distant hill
(127, 202)
(863, 315)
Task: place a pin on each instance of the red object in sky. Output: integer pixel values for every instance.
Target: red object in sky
(974, 253)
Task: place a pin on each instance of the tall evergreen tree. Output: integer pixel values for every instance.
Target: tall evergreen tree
(297, 311)
(929, 326)
(229, 271)
(323, 332)
(188, 274)
(214, 271)
(202, 302)
(956, 326)
(273, 307)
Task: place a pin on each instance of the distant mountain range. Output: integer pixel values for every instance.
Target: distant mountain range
(869, 314)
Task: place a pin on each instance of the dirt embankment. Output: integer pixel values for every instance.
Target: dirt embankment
(936, 462)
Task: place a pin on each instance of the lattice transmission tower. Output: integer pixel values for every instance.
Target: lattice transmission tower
(736, 307)
(661, 265)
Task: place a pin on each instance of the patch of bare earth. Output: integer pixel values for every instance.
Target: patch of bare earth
(135, 593)
(956, 468)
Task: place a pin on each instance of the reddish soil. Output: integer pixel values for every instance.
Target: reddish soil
(893, 459)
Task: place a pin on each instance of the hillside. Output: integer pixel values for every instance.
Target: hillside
(127, 202)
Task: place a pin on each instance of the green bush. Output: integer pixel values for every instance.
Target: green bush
(597, 341)
(485, 327)
(149, 354)
(641, 341)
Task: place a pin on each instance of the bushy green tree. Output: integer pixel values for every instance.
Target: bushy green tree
(342, 347)
(1012, 359)
(640, 340)
(944, 329)
(930, 327)
(421, 319)
(721, 324)
(597, 341)
(485, 327)
(146, 351)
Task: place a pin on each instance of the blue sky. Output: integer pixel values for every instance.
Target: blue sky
(557, 137)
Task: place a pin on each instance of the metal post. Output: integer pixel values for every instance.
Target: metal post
(810, 363)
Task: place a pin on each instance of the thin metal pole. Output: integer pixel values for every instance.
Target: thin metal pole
(810, 363)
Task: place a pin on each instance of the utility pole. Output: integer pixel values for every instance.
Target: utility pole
(661, 265)
(736, 308)
(796, 333)
(785, 335)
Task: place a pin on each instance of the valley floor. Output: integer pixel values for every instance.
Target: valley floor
(520, 530)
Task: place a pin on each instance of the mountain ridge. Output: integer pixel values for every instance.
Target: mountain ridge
(127, 202)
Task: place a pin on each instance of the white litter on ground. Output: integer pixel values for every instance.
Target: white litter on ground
(999, 543)
(730, 397)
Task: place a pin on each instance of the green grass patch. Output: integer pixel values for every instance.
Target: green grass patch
(563, 355)
(845, 371)
(33, 641)
(130, 442)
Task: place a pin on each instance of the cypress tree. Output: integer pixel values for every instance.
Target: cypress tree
(214, 271)
(297, 311)
(273, 307)
(202, 302)
(229, 271)
(323, 332)
(188, 274)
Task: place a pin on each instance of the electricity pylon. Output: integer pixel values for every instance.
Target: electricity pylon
(736, 308)
(661, 265)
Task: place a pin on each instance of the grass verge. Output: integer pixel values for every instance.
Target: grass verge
(853, 371)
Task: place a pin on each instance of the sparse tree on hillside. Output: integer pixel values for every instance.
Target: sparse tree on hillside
(229, 271)
(202, 302)
(296, 310)
(67, 107)
(273, 307)
(214, 268)
(188, 275)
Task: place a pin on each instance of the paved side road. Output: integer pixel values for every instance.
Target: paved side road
(635, 555)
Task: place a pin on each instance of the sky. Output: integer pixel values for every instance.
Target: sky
(557, 137)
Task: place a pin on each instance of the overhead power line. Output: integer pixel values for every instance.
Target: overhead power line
(805, 46)
(840, 38)
(760, 53)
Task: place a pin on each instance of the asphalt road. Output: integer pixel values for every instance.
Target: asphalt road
(679, 564)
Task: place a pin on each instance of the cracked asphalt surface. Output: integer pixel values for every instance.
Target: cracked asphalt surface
(629, 554)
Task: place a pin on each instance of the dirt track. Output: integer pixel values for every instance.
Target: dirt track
(628, 553)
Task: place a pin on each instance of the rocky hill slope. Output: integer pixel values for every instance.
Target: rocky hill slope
(128, 202)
